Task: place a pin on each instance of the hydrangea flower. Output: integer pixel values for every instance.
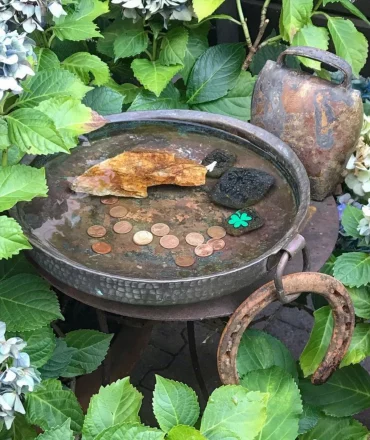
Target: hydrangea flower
(364, 224)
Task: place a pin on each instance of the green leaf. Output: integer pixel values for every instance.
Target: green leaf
(27, 303)
(104, 100)
(40, 345)
(168, 99)
(71, 118)
(361, 301)
(128, 91)
(117, 403)
(49, 84)
(349, 43)
(173, 47)
(215, 73)
(319, 341)
(80, 24)
(284, 405)
(197, 45)
(130, 43)
(153, 75)
(18, 264)
(4, 136)
(83, 63)
(60, 432)
(353, 269)
(350, 7)
(174, 403)
(50, 406)
(182, 432)
(205, 8)
(34, 132)
(271, 52)
(346, 393)
(20, 430)
(129, 431)
(15, 185)
(60, 359)
(234, 409)
(259, 350)
(312, 36)
(105, 45)
(360, 346)
(336, 429)
(309, 418)
(46, 59)
(294, 16)
(91, 348)
(328, 267)
(237, 103)
(12, 240)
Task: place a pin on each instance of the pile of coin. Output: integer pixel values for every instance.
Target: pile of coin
(202, 248)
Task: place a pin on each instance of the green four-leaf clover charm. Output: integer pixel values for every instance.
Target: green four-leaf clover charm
(240, 220)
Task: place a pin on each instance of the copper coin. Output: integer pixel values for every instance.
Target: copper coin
(217, 244)
(96, 231)
(194, 239)
(101, 248)
(169, 242)
(204, 250)
(109, 200)
(118, 212)
(122, 227)
(216, 232)
(143, 238)
(160, 229)
(184, 260)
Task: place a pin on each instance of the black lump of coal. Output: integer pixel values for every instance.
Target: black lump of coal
(225, 160)
(243, 221)
(242, 187)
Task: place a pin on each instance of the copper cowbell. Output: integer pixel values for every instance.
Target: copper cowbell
(321, 121)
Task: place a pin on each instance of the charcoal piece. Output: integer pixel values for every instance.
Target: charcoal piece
(243, 221)
(224, 159)
(242, 187)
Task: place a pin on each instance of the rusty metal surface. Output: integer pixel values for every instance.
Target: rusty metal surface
(321, 233)
(321, 121)
(147, 275)
(328, 287)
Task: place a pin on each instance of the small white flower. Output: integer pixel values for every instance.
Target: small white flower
(56, 9)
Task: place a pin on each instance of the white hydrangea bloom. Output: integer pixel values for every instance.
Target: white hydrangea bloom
(364, 224)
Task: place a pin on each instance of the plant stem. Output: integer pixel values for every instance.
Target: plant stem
(264, 11)
(243, 22)
(4, 158)
(2, 103)
(271, 40)
(45, 39)
(154, 56)
(149, 55)
(51, 39)
(318, 4)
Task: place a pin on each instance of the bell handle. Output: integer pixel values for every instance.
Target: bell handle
(322, 56)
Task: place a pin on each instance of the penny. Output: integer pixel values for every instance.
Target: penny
(160, 229)
(194, 239)
(118, 212)
(169, 242)
(217, 244)
(122, 227)
(204, 250)
(184, 260)
(143, 238)
(101, 248)
(109, 200)
(96, 231)
(216, 232)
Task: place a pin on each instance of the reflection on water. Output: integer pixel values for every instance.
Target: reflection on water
(61, 220)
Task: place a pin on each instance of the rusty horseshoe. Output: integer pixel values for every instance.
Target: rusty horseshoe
(328, 287)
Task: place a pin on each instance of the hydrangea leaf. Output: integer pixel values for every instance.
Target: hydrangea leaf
(203, 9)
(311, 36)
(18, 264)
(174, 403)
(353, 269)
(4, 135)
(115, 404)
(46, 59)
(153, 75)
(168, 99)
(259, 350)
(294, 16)
(83, 63)
(182, 432)
(359, 348)
(127, 90)
(215, 73)
(27, 303)
(197, 45)
(284, 405)
(40, 345)
(60, 359)
(20, 430)
(361, 301)
(350, 220)
(104, 100)
(60, 432)
(12, 240)
(15, 185)
(130, 43)
(233, 408)
(131, 431)
(50, 405)
(173, 47)
(309, 418)
(346, 393)
(350, 7)
(336, 429)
